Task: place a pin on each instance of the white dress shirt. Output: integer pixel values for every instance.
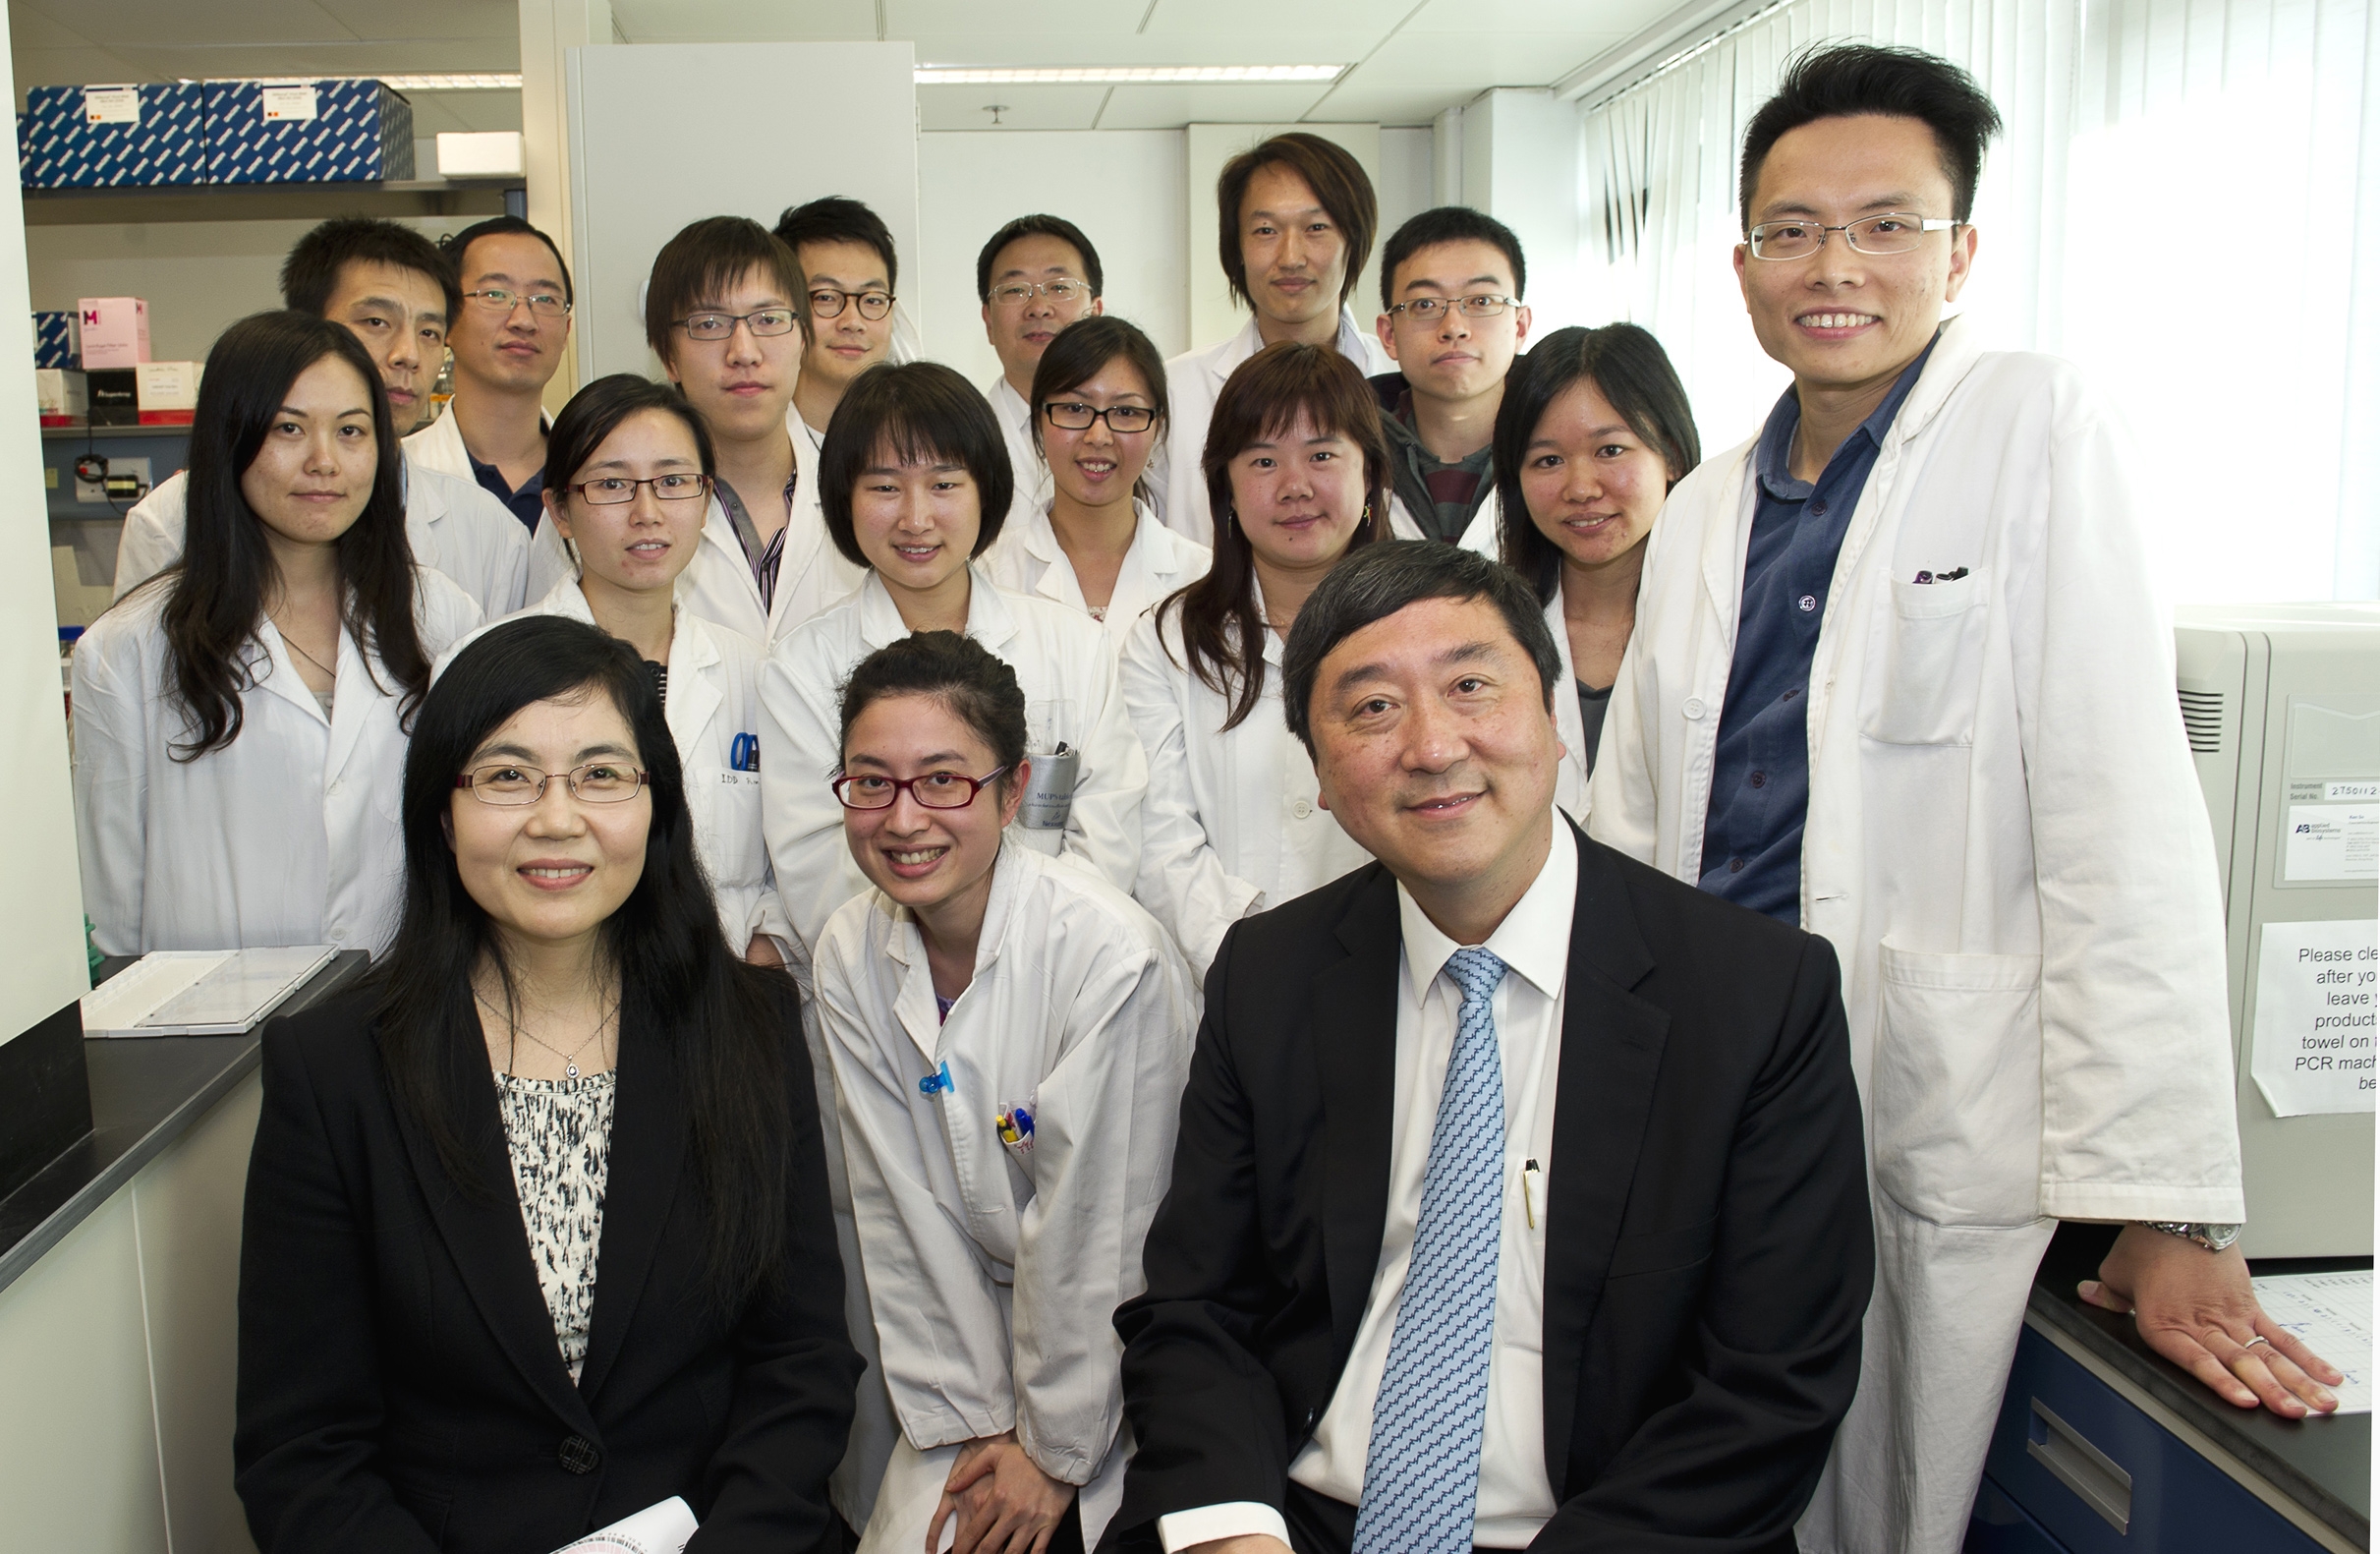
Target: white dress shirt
(1516, 1495)
(1025, 461)
(1028, 559)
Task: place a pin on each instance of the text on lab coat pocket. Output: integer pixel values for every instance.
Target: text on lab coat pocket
(1924, 686)
(1955, 1092)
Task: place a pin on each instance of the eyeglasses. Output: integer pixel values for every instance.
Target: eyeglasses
(827, 302)
(934, 789)
(1073, 415)
(611, 491)
(720, 325)
(1429, 310)
(1894, 232)
(1016, 294)
(511, 784)
(542, 305)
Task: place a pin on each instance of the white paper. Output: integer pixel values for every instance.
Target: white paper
(2315, 993)
(290, 104)
(2332, 842)
(2333, 1314)
(200, 992)
(662, 1529)
(111, 105)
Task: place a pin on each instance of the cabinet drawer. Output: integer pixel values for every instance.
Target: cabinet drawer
(2101, 1478)
(1999, 1525)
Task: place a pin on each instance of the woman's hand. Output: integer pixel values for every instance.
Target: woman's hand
(1002, 1502)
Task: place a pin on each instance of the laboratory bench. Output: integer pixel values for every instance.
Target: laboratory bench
(2104, 1446)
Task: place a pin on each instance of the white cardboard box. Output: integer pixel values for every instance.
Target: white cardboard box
(480, 153)
(167, 392)
(63, 394)
(115, 331)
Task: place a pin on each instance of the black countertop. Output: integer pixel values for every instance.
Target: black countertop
(2324, 1465)
(146, 1093)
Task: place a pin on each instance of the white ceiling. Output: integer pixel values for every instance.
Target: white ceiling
(1409, 58)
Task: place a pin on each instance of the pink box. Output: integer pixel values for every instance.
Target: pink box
(115, 331)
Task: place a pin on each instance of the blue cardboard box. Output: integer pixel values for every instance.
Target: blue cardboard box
(101, 137)
(57, 340)
(316, 132)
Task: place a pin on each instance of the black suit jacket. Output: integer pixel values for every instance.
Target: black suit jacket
(1708, 1246)
(399, 1387)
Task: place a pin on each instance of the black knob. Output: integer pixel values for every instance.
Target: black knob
(579, 1454)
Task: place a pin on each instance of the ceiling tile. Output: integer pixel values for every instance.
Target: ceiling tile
(74, 67)
(1390, 105)
(1503, 59)
(176, 22)
(419, 56)
(1027, 107)
(1356, 23)
(449, 18)
(745, 21)
(918, 17)
(30, 29)
(1170, 107)
(1539, 16)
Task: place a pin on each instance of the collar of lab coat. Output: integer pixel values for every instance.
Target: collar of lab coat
(352, 687)
(1354, 343)
(692, 649)
(990, 620)
(439, 446)
(1156, 550)
(1010, 406)
(1011, 871)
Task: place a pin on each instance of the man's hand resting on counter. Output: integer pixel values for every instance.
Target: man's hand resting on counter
(2198, 1309)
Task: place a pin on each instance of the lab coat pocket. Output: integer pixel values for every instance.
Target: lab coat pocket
(1924, 687)
(1956, 1089)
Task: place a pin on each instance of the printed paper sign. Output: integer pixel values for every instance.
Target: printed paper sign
(2315, 996)
(290, 104)
(2332, 841)
(111, 105)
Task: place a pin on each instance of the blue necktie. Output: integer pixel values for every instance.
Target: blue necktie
(1421, 1472)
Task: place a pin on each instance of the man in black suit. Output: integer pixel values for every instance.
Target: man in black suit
(1519, 1196)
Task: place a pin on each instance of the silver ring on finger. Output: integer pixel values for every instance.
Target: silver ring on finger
(2253, 1342)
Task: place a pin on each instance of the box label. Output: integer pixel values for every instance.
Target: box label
(2332, 841)
(291, 104)
(111, 105)
(2316, 994)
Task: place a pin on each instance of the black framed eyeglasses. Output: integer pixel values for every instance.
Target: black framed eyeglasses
(827, 302)
(509, 783)
(932, 790)
(542, 305)
(610, 490)
(1074, 416)
(764, 321)
(1429, 310)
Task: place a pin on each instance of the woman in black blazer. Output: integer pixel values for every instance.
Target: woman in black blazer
(536, 1231)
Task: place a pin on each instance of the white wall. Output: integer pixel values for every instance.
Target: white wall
(1122, 187)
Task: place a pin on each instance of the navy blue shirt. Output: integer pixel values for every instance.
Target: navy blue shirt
(528, 503)
(1760, 786)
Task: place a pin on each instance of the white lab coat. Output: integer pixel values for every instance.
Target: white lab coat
(1234, 822)
(439, 446)
(289, 836)
(1478, 535)
(712, 707)
(1194, 380)
(1065, 665)
(1025, 461)
(1028, 559)
(718, 585)
(2005, 845)
(451, 526)
(994, 1268)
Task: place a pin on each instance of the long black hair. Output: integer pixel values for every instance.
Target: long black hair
(721, 1022)
(1629, 368)
(219, 586)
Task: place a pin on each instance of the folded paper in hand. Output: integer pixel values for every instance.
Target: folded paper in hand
(660, 1528)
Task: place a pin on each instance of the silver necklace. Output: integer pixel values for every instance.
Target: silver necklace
(570, 1058)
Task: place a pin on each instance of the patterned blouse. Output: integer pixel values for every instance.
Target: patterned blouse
(558, 1132)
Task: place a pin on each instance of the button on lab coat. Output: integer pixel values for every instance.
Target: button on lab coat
(1194, 380)
(1028, 559)
(714, 710)
(1234, 822)
(1066, 669)
(289, 836)
(2005, 845)
(451, 525)
(997, 1250)
(811, 575)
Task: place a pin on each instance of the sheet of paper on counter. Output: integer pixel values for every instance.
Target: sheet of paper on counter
(2333, 1313)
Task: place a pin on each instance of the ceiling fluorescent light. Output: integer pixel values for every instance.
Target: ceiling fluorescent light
(1119, 75)
(494, 80)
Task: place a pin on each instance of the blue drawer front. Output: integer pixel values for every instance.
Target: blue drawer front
(361, 131)
(2001, 1527)
(58, 147)
(2179, 1503)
